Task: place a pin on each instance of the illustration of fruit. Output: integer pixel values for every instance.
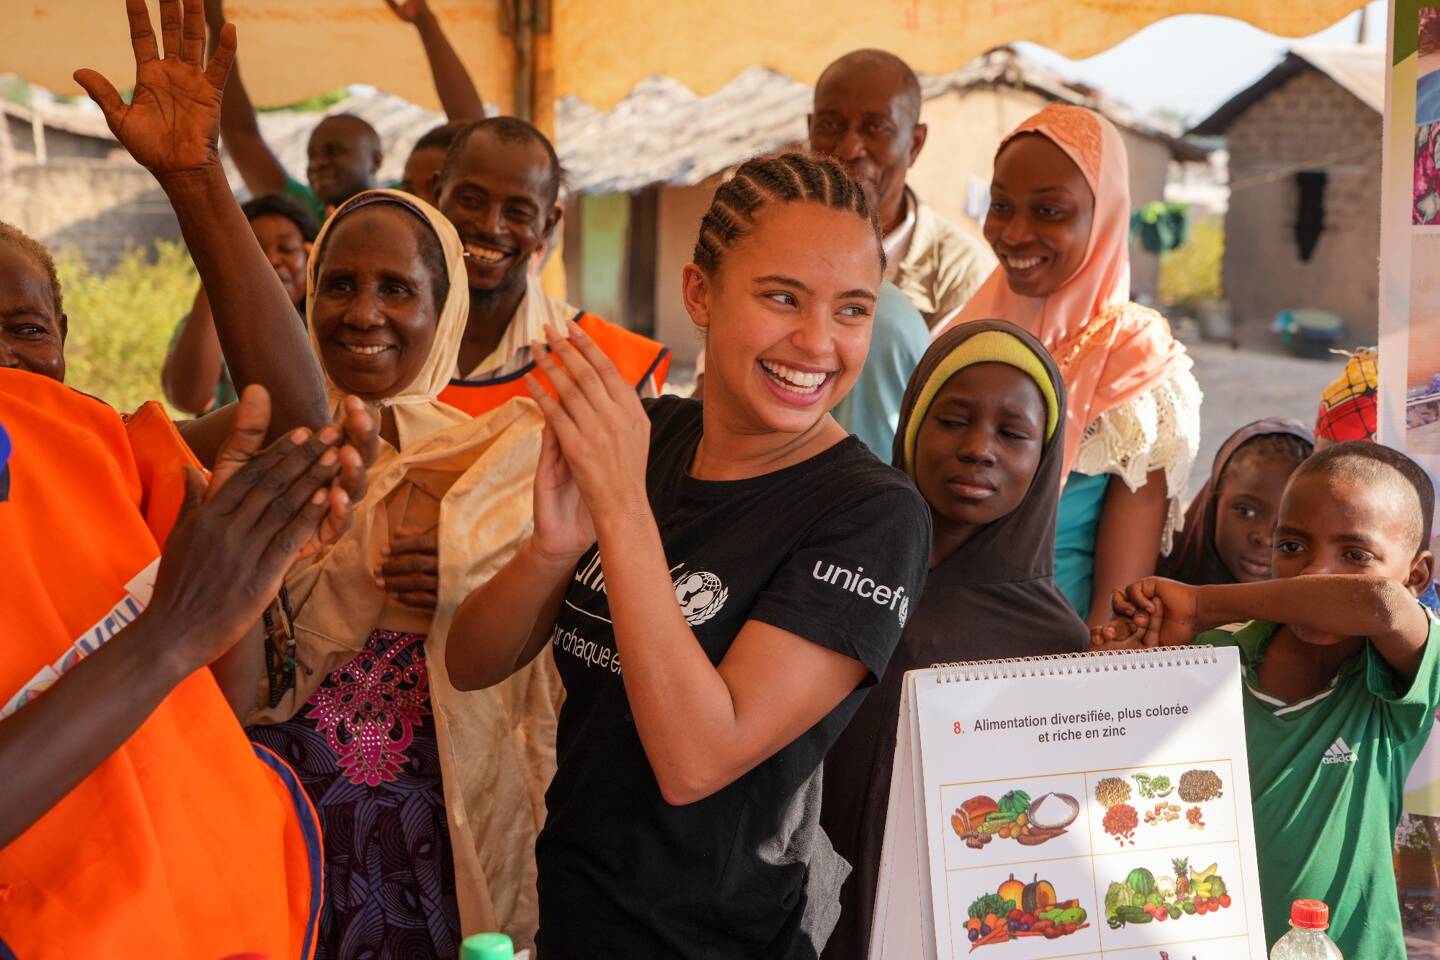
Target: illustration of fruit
(1016, 802)
(1142, 881)
(1012, 890)
(1182, 876)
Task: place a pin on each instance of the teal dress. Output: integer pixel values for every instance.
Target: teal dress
(1076, 525)
(898, 339)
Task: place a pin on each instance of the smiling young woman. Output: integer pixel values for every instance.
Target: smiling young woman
(1059, 223)
(749, 564)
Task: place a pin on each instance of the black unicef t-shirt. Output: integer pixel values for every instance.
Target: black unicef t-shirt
(834, 550)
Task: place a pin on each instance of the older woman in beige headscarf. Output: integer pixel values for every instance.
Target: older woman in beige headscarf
(430, 799)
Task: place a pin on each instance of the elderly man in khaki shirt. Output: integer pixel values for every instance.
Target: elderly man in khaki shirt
(867, 115)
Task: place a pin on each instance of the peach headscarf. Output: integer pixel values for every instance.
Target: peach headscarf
(1109, 350)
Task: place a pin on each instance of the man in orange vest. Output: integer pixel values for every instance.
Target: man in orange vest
(500, 186)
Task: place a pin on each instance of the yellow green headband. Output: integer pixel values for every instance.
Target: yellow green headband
(992, 346)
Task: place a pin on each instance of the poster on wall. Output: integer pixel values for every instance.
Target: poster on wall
(1410, 375)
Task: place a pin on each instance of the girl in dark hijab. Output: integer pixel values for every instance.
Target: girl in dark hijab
(981, 433)
(1230, 524)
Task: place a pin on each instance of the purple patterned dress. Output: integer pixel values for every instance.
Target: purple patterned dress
(364, 747)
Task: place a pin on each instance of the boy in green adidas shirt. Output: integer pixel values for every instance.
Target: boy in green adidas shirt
(1341, 682)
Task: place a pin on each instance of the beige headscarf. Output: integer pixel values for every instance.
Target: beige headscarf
(497, 746)
(417, 411)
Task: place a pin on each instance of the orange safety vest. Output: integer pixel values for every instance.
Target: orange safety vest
(187, 841)
(638, 358)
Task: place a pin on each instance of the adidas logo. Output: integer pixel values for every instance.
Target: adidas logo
(1339, 752)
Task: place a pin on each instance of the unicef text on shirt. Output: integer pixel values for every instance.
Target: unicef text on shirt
(589, 651)
(865, 587)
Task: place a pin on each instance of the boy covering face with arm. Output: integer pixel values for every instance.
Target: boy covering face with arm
(1341, 685)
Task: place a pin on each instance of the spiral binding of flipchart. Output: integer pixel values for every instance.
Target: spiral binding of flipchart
(1068, 664)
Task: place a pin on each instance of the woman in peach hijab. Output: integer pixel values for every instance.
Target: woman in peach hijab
(1059, 223)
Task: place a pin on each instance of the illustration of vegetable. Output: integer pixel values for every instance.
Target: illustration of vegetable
(980, 819)
(1198, 786)
(1110, 791)
(1012, 890)
(999, 917)
(1142, 898)
(1153, 787)
(1120, 822)
(1195, 818)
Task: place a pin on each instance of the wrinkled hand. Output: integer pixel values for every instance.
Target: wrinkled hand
(361, 442)
(598, 423)
(1166, 610)
(234, 540)
(172, 123)
(409, 10)
(411, 570)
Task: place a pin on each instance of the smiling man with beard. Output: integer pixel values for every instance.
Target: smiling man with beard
(500, 187)
(867, 116)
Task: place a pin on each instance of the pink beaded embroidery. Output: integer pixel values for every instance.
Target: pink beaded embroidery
(370, 708)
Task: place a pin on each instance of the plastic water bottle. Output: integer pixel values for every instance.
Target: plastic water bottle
(487, 946)
(1306, 939)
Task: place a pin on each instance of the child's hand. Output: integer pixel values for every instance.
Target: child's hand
(1167, 610)
(1118, 634)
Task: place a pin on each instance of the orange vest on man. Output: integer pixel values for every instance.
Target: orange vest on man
(638, 358)
(187, 841)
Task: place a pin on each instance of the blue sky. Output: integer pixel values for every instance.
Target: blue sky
(1192, 64)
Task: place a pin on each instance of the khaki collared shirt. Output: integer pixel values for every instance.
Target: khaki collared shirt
(938, 266)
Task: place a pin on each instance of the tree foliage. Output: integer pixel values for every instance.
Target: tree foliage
(121, 322)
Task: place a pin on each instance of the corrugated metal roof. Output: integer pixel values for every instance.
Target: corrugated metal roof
(59, 116)
(664, 133)
(1359, 69)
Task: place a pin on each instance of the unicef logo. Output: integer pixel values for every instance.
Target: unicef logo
(700, 595)
(904, 611)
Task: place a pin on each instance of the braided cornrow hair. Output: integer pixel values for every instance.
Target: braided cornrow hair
(787, 178)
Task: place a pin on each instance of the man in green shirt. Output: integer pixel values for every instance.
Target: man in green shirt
(1340, 682)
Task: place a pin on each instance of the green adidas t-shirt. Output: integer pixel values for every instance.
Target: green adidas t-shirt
(303, 195)
(1327, 777)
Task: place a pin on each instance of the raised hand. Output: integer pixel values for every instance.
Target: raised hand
(172, 124)
(409, 10)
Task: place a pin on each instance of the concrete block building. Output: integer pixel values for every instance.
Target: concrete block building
(1303, 224)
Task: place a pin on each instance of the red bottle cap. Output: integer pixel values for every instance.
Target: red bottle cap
(1310, 914)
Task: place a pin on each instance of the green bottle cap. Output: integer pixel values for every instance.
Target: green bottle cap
(487, 946)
